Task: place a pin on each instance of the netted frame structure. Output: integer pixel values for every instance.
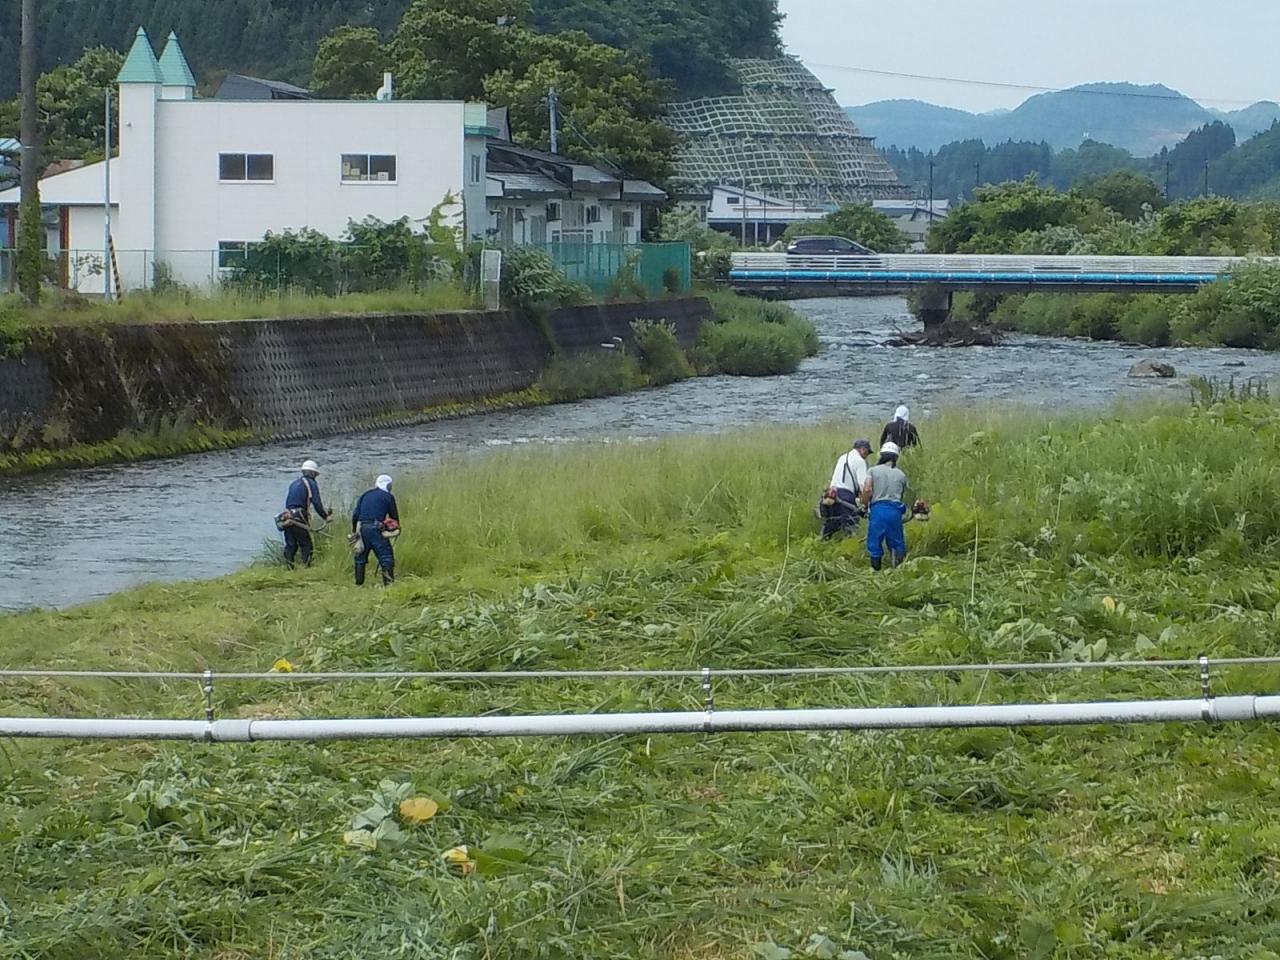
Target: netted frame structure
(784, 135)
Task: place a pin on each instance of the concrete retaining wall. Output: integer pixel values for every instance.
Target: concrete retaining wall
(298, 376)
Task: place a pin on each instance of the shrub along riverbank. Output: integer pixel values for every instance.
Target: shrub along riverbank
(1147, 536)
(1243, 311)
(745, 337)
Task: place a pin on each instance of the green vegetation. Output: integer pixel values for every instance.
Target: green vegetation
(661, 358)
(486, 50)
(745, 337)
(277, 38)
(1243, 311)
(18, 321)
(580, 376)
(1028, 218)
(1126, 538)
(858, 222)
(170, 438)
(710, 249)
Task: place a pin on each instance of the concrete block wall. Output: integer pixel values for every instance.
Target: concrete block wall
(298, 376)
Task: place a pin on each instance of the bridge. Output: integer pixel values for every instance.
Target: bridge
(939, 275)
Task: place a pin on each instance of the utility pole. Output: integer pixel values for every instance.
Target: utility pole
(106, 204)
(977, 177)
(30, 227)
(1206, 176)
(930, 188)
(552, 105)
(1168, 165)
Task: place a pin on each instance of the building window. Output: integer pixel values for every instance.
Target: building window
(593, 214)
(368, 168)
(233, 253)
(238, 167)
(732, 200)
(475, 168)
(627, 219)
(553, 211)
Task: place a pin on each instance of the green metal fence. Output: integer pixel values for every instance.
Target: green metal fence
(611, 268)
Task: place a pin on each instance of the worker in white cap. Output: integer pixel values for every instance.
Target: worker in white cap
(885, 493)
(900, 431)
(295, 522)
(375, 522)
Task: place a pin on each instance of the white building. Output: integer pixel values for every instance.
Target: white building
(196, 180)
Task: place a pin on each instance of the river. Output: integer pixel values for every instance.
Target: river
(74, 536)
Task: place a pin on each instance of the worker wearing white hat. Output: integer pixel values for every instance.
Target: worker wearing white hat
(900, 431)
(375, 522)
(885, 492)
(295, 522)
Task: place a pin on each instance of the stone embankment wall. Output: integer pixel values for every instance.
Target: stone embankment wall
(296, 376)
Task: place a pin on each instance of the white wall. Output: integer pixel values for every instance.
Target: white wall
(84, 245)
(194, 211)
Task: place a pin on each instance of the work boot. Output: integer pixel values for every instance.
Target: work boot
(388, 576)
(875, 563)
(359, 574)
(898, 557)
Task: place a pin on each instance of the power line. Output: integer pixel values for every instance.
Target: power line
(1034, 88)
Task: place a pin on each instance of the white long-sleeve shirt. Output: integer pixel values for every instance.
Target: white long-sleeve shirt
(850, 472)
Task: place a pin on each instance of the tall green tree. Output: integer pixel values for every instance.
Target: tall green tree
(610, 107)
(350, 63)
(70, 107)
(1128, 193)
(1001, 215)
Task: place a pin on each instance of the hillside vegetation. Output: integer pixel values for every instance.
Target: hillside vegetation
(277, 38)
(1151, 535)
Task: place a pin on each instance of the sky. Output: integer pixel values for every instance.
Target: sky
(1222, 54)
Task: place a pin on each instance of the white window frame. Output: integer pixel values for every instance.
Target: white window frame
(554, 206)
(222, 244)
(477, 174)
(626, 219)
(368, 165)
(246, 154)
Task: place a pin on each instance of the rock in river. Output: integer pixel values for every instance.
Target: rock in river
(1151, 368)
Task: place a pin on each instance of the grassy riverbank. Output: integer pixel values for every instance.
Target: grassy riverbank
(184, 306)
(1150, 536)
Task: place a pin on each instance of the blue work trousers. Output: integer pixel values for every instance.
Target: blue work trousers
(885, 526)
(372, 540)
(297, 539)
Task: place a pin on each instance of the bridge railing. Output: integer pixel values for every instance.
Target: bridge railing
(1003, 264)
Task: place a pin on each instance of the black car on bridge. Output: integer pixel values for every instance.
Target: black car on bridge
(808, 246)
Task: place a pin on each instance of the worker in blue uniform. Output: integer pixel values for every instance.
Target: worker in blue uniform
(295, 522)
(374, 516)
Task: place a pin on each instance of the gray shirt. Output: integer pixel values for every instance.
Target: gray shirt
(887, 483)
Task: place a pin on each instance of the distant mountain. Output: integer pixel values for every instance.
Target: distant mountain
(912, 123)
(1140, 119)
(1252, 119)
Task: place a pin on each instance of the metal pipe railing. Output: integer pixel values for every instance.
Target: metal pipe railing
(708, 720)
(623, 673)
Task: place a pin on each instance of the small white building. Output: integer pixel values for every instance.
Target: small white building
(196, 180)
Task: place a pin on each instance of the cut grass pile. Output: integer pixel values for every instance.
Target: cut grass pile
(1149, 536)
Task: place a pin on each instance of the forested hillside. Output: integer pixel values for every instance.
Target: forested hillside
(277, 38)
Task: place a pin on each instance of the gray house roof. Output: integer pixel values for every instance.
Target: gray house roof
(235, 86)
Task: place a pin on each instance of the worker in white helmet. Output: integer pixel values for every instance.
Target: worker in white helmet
(885, 493)
(295, 522)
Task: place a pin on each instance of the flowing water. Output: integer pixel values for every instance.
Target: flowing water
(70, 537)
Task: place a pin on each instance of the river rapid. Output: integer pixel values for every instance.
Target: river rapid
(75, 536)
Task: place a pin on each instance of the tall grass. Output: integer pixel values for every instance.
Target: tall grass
(1151, 535)
(232, 304)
